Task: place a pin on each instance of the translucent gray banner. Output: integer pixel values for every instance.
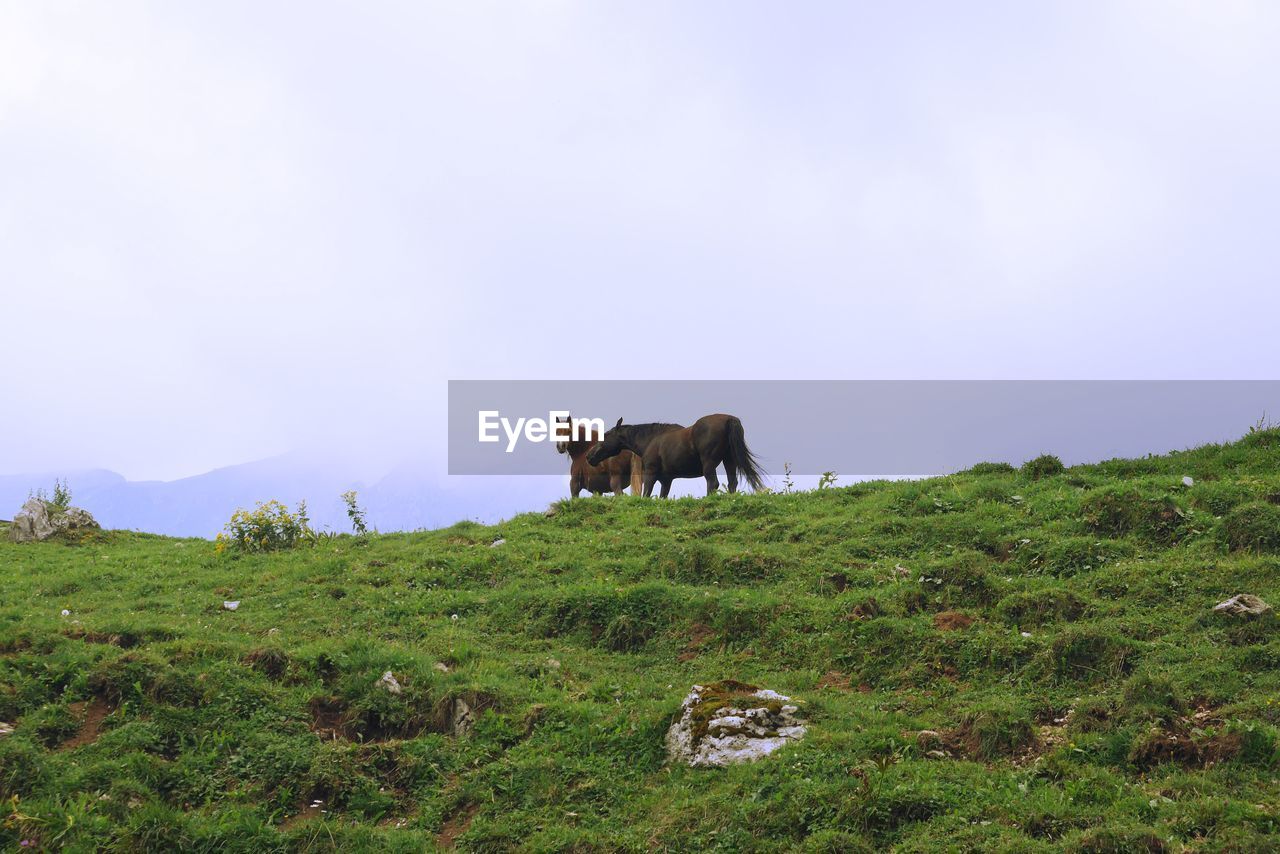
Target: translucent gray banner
(864, 427)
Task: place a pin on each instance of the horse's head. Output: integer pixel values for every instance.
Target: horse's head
(611, 444)
(562, 447)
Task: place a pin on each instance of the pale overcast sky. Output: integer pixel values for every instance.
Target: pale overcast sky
(231, 229)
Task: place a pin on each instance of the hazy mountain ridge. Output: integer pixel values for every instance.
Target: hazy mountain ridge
(407, 498)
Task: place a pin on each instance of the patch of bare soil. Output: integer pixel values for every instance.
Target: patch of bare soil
(699, 635)
(1187, 742)
(124, 640)
(94, 712)
(328, 718)
(456, 825)
(951, 621)
(305, 814)
(868, 609)
(835, 679)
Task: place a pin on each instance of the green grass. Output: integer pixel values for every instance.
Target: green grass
(1094, 703)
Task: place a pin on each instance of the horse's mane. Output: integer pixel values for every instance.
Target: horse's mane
(639, 432)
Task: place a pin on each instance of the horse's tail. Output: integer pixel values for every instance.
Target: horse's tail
(740, 456)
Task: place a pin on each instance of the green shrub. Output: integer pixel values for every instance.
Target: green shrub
(1254, 527)
(990, 468)
(1045, 465)
(268, 527)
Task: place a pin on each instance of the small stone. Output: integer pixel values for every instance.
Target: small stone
(5, 729)
(928, 739)
(1026, 634)
(1188, 480)
(389, 683)
(496, 543)
(441, 666)
(231, 606)
(1242, 605)
(66, 613)
(461, 718)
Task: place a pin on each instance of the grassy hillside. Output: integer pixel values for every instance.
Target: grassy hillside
(1051, 634)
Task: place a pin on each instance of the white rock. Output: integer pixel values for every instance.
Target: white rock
(66, 613)
(733, 734)
(32, 523)
(231, 606)
(1188, 480)
(496, 543)
(389, 682)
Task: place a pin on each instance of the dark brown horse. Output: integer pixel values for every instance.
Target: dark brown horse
(669, 451)
(611, 476)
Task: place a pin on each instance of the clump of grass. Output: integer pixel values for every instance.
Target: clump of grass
(626, 633)
(1045, 465)
(1150, 696)
(691, 563)
(1066, 556)
(272, 661)
(959, 580)
(1254, 527)
(51, 724)
(1039, 607)
(1118, 512)
(1135, 838)
(994, 730)
(1090, 652)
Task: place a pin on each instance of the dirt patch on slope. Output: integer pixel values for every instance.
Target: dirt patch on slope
(456, 825)
(951, 621)
(93, 714)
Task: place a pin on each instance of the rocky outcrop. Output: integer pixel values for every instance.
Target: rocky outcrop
(39, 520)
(729, 722)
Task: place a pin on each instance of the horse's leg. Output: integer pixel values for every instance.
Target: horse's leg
(637, 474)
(709, 472)
(649, 481)
(666, 487)
(615, 483)
(731, 475)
